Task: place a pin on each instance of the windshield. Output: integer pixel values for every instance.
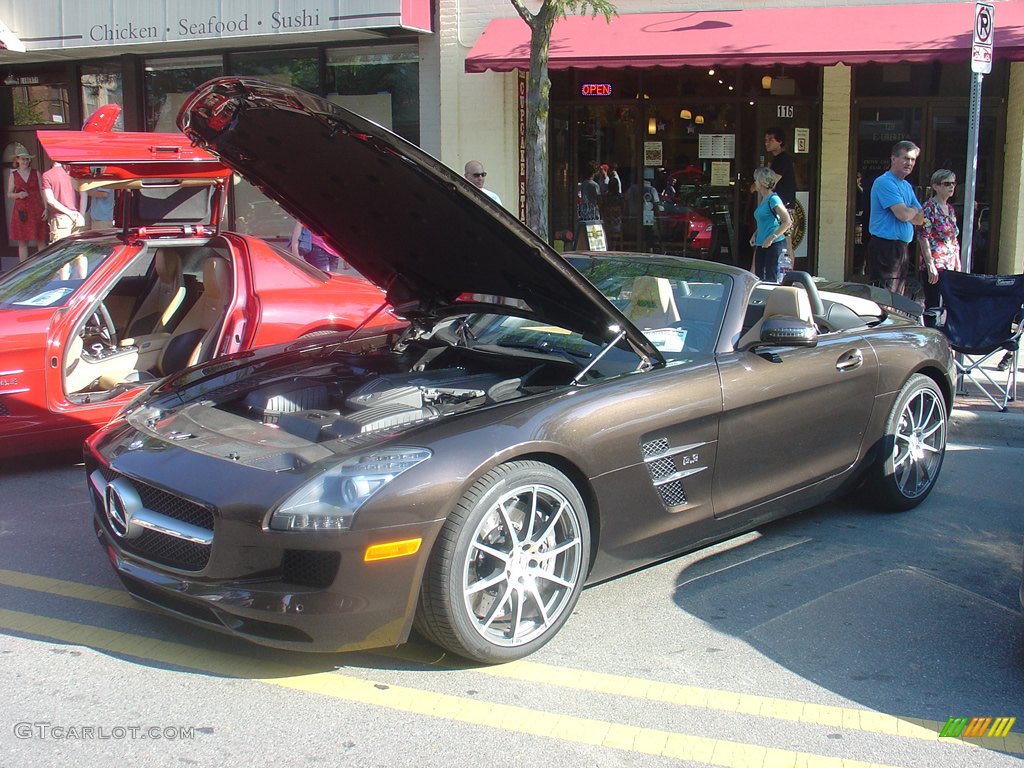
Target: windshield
(677, 305)
(53, 277)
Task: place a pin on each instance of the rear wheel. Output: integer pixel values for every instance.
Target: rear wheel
(508, 566)
(913, 447)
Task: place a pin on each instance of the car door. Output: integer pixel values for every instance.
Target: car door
(792, 416)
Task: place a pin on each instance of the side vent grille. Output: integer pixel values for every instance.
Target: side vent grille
(667, 469)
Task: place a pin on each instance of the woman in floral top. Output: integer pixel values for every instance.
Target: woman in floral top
(937, 238)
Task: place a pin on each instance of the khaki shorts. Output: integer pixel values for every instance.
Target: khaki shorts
(61, 226)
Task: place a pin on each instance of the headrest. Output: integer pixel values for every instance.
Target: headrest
(790, 301)
(651, 294)
(216, 274)
(168, 265)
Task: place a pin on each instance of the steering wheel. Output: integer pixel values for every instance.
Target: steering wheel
(104, 323)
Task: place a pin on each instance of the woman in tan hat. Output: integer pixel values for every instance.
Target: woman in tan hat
(28, 217)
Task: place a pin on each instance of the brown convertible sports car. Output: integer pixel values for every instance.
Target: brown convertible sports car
(544, 421)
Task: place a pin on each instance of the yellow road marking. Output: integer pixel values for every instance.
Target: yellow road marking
(848, 718)
(115, 597)
(630, 738)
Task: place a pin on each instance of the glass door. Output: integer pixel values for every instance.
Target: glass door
(945, 146)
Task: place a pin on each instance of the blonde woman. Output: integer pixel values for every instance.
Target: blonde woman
(773, 221)
(28, 218)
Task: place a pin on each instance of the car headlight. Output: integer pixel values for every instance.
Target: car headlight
(331, 500)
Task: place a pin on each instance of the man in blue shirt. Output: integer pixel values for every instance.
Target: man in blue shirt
(894, 213)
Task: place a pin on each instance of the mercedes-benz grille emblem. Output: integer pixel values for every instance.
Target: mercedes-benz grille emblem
(121, 503)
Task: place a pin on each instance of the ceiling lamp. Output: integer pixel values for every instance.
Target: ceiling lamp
(652, 126)
(766, 82)
(699, 119)
(685, 114)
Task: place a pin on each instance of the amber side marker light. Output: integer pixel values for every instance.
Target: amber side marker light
(392, 549)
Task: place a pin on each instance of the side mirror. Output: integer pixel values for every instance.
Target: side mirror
(785, 331)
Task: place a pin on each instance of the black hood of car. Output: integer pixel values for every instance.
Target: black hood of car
(403, 219)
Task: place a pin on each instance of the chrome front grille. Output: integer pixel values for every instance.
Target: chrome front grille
(173, 531)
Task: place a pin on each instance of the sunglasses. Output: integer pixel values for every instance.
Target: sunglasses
(947, 183)
(479, 175)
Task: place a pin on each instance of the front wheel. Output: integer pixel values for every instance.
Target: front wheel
(913, 447)
(508, 566)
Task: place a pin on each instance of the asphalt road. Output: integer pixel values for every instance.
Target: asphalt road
(840, 637)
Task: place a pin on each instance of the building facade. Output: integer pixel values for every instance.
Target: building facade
(684, 98)
(678, 101)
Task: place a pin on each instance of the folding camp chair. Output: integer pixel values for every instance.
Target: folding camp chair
(981, 315)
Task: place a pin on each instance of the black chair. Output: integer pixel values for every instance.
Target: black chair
(982, 315)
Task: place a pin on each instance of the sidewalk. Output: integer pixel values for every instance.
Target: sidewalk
(975, 418)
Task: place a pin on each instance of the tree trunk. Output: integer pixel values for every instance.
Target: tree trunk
(538, 89)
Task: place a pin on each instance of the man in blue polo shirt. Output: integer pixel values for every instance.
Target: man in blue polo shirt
(894, 213)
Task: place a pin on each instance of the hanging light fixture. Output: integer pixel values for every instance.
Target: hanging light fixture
(699, 119)
(685, 114)
(766, 82)
(652, 125)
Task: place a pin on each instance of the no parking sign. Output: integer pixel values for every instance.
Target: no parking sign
(984, 31)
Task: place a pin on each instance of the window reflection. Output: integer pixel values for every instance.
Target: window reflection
(168, 84)
(381, 85)
(40, 104)
(102, 85)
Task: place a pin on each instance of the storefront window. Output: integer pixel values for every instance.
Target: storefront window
(101, 85)
(254, 213)
(170, 81)
(381, 84)
(40, 104)
(295, 67)
(686, 141)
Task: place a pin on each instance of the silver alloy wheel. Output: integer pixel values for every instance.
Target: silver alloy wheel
(523, 566)
(919, 442)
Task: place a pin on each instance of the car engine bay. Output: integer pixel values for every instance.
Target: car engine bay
(298, 412)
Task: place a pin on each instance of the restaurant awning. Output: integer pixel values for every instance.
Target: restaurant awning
(757, 36)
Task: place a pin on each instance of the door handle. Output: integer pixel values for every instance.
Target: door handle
(850, 361)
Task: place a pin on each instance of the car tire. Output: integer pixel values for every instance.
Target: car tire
(912, 447)
(508, 565)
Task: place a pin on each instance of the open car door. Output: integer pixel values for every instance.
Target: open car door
(167, 185)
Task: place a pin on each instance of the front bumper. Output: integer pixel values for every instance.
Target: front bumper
(306, 592)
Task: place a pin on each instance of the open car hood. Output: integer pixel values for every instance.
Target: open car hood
(418, 230)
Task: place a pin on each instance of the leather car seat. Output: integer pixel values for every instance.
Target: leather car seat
(783, 300)
(158, 310)
(195, 337)
(652, 303)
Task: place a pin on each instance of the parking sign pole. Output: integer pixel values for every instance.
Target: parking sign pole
(981, 65)
(971, 172)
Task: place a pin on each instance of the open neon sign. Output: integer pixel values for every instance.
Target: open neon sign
(596, 89)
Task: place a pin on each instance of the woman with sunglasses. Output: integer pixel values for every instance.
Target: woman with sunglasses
(938, 246)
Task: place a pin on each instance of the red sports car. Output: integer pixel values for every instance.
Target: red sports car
(88, 322)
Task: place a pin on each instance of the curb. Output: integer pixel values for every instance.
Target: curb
(987, 427)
